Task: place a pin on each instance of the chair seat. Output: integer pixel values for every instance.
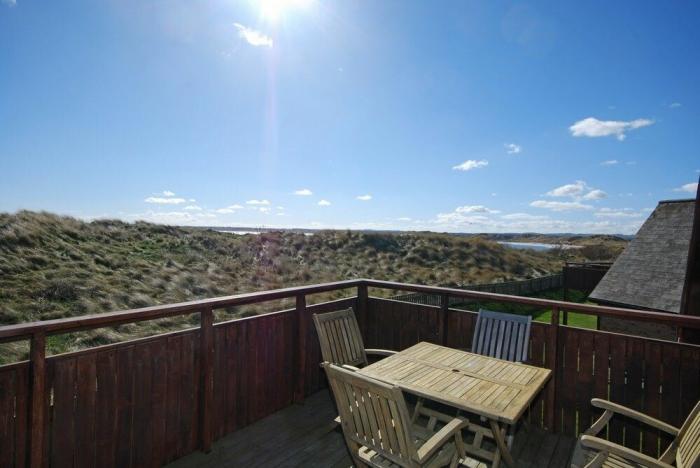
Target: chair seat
(442, 457)
(582, 456)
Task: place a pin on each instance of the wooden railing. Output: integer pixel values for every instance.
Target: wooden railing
(152, 400)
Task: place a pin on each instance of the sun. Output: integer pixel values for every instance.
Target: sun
(274, 10)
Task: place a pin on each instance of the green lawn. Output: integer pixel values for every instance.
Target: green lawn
(544, 315)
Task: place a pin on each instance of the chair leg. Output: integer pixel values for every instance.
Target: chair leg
(510, 436)
(354, 448)
(453, 462)
(498, 434)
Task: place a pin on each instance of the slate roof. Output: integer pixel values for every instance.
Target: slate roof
(650, 273)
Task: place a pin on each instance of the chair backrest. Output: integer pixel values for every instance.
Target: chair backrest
(688, 454)
(340, 338)
(373, 414)
(501, 335)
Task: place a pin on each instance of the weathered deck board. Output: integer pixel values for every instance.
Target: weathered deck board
(304, 435)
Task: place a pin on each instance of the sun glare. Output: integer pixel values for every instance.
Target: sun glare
(274, 10)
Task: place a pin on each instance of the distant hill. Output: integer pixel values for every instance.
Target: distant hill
(560, 238)
(52, 266)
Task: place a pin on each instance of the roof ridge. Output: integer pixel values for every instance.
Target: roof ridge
(681, 200)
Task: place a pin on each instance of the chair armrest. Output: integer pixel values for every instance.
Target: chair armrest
(351, 368)
(381, 352)
(440, 438)
(601, 445)
(630, 413)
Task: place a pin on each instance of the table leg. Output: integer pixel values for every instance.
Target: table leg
(498, 435)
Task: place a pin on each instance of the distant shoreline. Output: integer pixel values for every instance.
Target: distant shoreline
(506, 237)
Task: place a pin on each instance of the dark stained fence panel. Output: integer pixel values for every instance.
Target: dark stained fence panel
(583, 277)
(398, 325)
(254, 371)
(658, 378)
(14, 393)
(538, 338)
(132, 404)
(460, 328)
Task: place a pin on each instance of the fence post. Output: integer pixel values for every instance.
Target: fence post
(362, 309)
(206, 348)
(300, 351)
(37, 359)
(442, 327)
(551, 358)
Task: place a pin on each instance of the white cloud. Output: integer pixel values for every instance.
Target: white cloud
(690, 188)
(165, 200)
(592, 127)
(610, 162)
(280, 208)
(364, 197)
(175, 218)
(470, 164)
(324, 203)
(466, 215)
(9, 3)
(168, 193)
(229, 209)
(512, 148)
(257, 202)
(618, 213)
(253, 37)
(579, 190)
(569, 190)
(193, 208)
(675, 105)
(523, 217)
(461, 219)
(595, 195)
(403, 219)
(475, 209)
(560, 206)
(525, 222)
(264, 209)
(303, 192)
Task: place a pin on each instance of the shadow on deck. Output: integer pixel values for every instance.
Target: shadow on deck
(305, 435)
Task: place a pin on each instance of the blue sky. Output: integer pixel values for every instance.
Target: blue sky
(449, 116)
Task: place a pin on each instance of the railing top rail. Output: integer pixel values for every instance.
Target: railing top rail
(689, 321)
(72, 324)
(108, 319)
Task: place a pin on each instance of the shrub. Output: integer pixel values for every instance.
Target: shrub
(59, 290)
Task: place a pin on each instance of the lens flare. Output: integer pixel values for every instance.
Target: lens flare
(274, 10)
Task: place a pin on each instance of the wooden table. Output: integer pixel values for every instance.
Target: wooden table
(499, 391)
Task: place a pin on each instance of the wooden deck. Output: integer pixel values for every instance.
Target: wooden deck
(304, 435)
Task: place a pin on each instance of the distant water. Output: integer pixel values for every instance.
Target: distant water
(254, 233)
(242, 233)
(537, 246)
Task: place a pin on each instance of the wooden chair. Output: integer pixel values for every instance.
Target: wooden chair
(379, 431)
(594, 452)
(501, 335)
(341, 340)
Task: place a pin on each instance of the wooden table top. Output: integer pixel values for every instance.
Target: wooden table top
(493, 388)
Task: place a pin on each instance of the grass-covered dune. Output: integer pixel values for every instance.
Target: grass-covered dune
(53, 266)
